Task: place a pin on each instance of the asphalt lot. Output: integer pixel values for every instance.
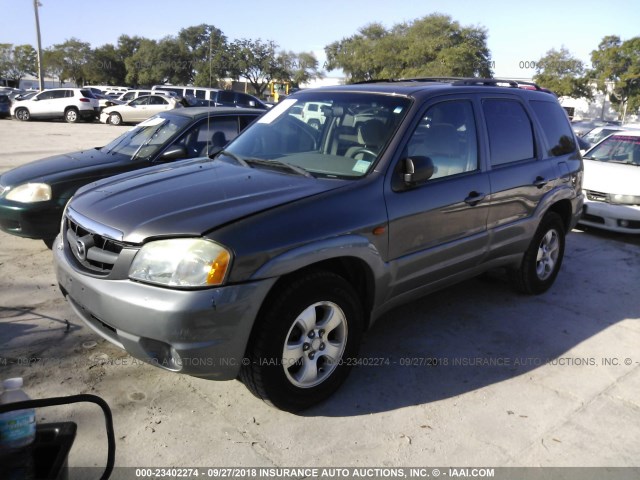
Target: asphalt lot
(552, 380)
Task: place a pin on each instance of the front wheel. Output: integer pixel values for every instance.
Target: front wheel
(542, 260)
(115, 118)
(23, 114)
(305, 342)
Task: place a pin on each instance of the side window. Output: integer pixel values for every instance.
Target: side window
(128, 96)
(201, 94)
(447, 135)
(509, 129)
(141, 101)
(209, 134)
(556, 127)
(227, 97)
(45, 95)
(245, 100)
(157, 100)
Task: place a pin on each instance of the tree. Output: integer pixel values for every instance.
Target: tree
(562, 73)
(105, 66)
(164, 61)
(298, 68)
(255, 61)
(75, 55)
(17, 61)
(54, 64)
(434, 45)
(618, 62)
(207, 48)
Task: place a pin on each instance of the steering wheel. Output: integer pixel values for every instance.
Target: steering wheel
(364, 150)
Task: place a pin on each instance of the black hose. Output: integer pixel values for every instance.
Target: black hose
(85, 397)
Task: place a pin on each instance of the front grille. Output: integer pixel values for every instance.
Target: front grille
(96, 253)
(597, 196)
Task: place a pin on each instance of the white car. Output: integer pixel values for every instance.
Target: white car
(139, 109)
(72, 104)
(612, 183)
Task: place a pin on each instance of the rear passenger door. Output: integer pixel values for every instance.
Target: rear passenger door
(438, 228)
(520, 174)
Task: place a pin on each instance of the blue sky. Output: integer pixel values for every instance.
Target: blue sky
(518, 31)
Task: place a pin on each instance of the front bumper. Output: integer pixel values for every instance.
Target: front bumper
(40, 220)
(203, 333)
(616, 218)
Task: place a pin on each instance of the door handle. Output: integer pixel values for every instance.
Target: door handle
(540, 182)
(474, 198)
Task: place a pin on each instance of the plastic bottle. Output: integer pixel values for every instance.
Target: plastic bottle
(18, 427)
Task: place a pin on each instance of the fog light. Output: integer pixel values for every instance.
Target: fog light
(623, 223)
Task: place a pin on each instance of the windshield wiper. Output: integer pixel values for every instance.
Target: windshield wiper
(237, 158)
(281, 164)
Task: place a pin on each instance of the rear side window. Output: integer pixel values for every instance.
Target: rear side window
(510, 132)
(227, 97)
(555, 127)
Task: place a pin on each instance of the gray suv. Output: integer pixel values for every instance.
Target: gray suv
(268, 261)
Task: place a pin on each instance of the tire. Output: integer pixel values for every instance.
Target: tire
(71, 115)
(542, 260)
(314, 123)
(299, 351)
(23, 114)
(115, 118)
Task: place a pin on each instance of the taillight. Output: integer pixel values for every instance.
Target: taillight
(85, 100)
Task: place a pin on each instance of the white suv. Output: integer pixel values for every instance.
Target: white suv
(72, 104)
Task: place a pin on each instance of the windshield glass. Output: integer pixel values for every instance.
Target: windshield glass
(618, 149)
(325, 133)
(595, 136)
(147, 138)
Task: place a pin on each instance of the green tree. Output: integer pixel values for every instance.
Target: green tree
(105, 66)
(54, 64)
(207, 48)
(562, 73)
(434, 45)
(164, 61)
(17, 61)
(75, 55)
(256, 61)
(298, 68)
(618, 62)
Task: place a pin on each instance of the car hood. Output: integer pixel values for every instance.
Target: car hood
(190, 198)
(611, 177)
(53, 168)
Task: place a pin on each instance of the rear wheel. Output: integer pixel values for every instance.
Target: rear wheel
(303, 345)
(542, 260)
(71, 115)
(23, 114)
(115, 118)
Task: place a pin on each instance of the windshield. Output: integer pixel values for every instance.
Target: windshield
(618, 149)
(327, 134)
(595, 136)
(147, 138)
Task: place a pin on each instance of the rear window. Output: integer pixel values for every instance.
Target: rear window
(556, 128)
(510, 132)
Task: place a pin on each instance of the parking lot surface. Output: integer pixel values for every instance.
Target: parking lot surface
(475, 375)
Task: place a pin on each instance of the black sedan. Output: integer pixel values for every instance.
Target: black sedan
(33, 196)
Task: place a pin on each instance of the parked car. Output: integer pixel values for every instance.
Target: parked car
(71, 104)
(139, 109)
(600, 133)
(5, 106)
(268, 262)
(33, 196)
(213, 97)
(133, 94)
(582, 127)
(612, 183)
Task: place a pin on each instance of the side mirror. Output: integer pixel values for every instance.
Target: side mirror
(174, 153)
(417, 169)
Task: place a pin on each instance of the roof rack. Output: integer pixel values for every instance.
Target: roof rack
(462, 81)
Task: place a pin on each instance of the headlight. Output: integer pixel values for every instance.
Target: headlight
(30, 193)
(625, 199)
(182, 262)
